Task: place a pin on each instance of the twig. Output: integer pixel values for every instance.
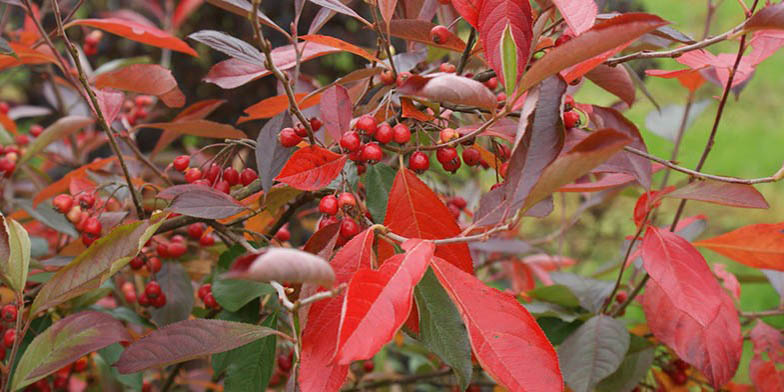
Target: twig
(320, 295)
(466, 52)
(764, 313)
(282, 296)
(624, 262)
(458, 239)
(172, 375)
(399, 381)
(97, 110)
(141, 157)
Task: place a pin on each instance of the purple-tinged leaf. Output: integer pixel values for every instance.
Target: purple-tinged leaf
(337, 6)
(66, 341)
(201, 201)
(593, 352)
(231, 46)
(450, 88)
(335, 109)
(176, 285)
(615, 80)
(733, 195)
(270, 154)
(624, 162)
(186, 340)
(61, 128)
(243, 8)
(287, 265)
(578, 14)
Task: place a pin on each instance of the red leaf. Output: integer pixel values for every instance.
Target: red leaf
(647, 202)
(137, 32)
(494, 17)
(469, 10)
(450, 87)
(578, 14)
(691, 79)
(387, 8)
(410, 111)
(419, 31)
(681, 271)
(419, 213)
(339, 44)
(378, 302)
(336, 111)
(144, 79)
(61, 185)
(506, 339)
(734, 195)
(616, 80)
(273, 106)
(317, 371)
(201, 128)
(311, 168)
(184, 9)
(767, 343)
(713, 347)
(758, 246)
(196, 111)
(624, 162)
(728, 280)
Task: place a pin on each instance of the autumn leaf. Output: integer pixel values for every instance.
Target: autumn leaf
(311, 168)
(137, 32)
(759, 245)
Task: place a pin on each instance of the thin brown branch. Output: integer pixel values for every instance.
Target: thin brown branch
(406, 380)
(763, 313)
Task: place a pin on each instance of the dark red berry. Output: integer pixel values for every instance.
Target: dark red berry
(247, 176)
(326, 221)
(231, 175)
(176, 249)
(196, 230)
(9, 337)
(160, 301)
(621, 297)
(401, 133)
(86, 200)
(152, 290)
(571, 119)
(350, 141)
(366, 124)
(154, 264)
(300, 130)
(192, 175)
(210, 302)
(8, 314)
(80, 365)
(289, 138)
(452, 165)
(503, 169)
(418, 162)
(92, 226)
(88, 239)
(568, 103)
(471, 156)
(439, 34)
(4, 107)
(446, 154)
(371, 153)
(204, 290)
(346, 200)
(212, 173)
(283, 234)
(384, 133)
(459, 202)
(348, 228)
(368, 366)
(63, 203)
(207, 240)
(136, 263)
(492, 83)
(223, 186)
(328, 205)
(387, 77)
(36, 130)
(315, 123)
(402, 78)
(143, 300)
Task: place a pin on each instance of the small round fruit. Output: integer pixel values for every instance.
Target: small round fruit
(568, 103)
(371, 153)
(418, 162)
(210, 302)
(571, 119)
(90, 50)
(86, 200)
(247, 176)
(402, 78)
(401, 133)
(9, 337)
(503, 170)
(192, 175)
(471, 156)
(63, 203)
(143, 300)
(196, 230)
(74, 214)
(36, 130)
(176, 249)
(503, 151)
(451, 166)
(80, 365)
(326, 221)
(93, 226)
(446, 154)
(223, 186)
(154, 264)
(492, 83)
(283, 234)
(22, 139)
(8, 314)
(315, 123)
(346, 200)
(207, 240)
(130, 297)
(447, 68)
(88, 239)
(94, 37)
(387, 77)
(136, 263)
(384, 133)
(459, 202)
(621, 297)
(350, 141)
(204, 290)
(368, 366)
(366, 124)
(289, 138)
(447, 135)
(152, 290)
(439, 34)
(231, 175)
(4, 107)
(162, 249)
(160, 301)
(564, 38)
(328, 205)
(300, 130)
(348, 228)
(212, 173)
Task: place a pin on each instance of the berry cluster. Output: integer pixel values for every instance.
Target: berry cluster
(153, 295)
(10, 154)
(91, 41)
(222, 179)
(83, 211)
(137, 109)
(291, 136)
(283, 370)
(60, 380)
(571, 117)
(205, 295)
(345, 204)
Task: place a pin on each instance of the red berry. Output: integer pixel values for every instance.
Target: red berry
(503, 151)
(368, 366)
(60, 381)
(564, 38)
(80, 365)
(418, 162)
(328, 205)
(207, 240)
(4, 107)
(326, 221)
(315, 123)
(347, 200)
(451, 166)
(143, 300)
(7, 167)
(247, 176)
(681, 364)
(300, 130)
(152, 290)
(348, 228)
(503, 169)
(439, 34)
(459, 202)
(86, 200)
(154, 264)
(204, 290)
(621, 297)
(366, 124)
(8, 313)
(181, 163)
(447, 67)
(176, 249)
(402, 78)
(223, 186)
(210, 302)
(446, 154)
(492, 83)
(384, 133)
(136, 263)
(88, 239)
(289, 138)
(196, 230)
(231, 175)
(571, 119)
(361, 168)
(90, 50)
(92, 226)
(387, 77)
(447, 135)
(283, 234)
(63, 203)
(371, 153)
(501, 97)
(36, 130)
(679, 377)
(9, 337)
(160, 301)
(568, 103)
(192, 175)
(143, 100)
(401, 133)
(212, 173)
(130, 297)
(94, 37)
(350, 141)
(471, 156)
(162, 249)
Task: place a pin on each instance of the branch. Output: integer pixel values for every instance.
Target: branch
(468, 238)
(466, 52)
(399, 381)
(764, 313)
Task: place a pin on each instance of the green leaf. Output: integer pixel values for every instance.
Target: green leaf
(556, 329)
(248, 314)
(96, 264)
(555, 294)
(233, 294)
(226, 259)
(441, 329)
(60, 129)
(14, 253)
(593, 352)
(110, 354)
(378, 182)
(66, 341)
(633, 368)
(176, 285)
(509, 60)
(250, 366)
(45, 214)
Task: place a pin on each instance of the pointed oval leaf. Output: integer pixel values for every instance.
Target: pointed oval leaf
(14, 253)
(759, 246)
(137, 32)
(378, 302)
(624, 162)
(201, 128)
(186, 340)
(318, 372)
(593, 352)
(201, 201)
(335, 109)
(339, 44)
(713, 348)
(768, 18)
(66, 341)
(419, 31)
(449, 87)
(337, 6)
(273, 106)
(149, 79)
(270, 154)
(92, 267)
(578, 14)
(497, 16)
(287, 265)
(504, 336)
(509, 60)
(231, 46)
(733, 195)
(682, 273)
(311, 168)
(615, 80)
(61, 128)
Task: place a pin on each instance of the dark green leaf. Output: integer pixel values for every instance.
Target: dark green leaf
(633, 369)
(555, 294)
(556, 329)
(593, 352)
(590, 292)
(110, 355)
(250, 366)
(233, 294)
(378, 182)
